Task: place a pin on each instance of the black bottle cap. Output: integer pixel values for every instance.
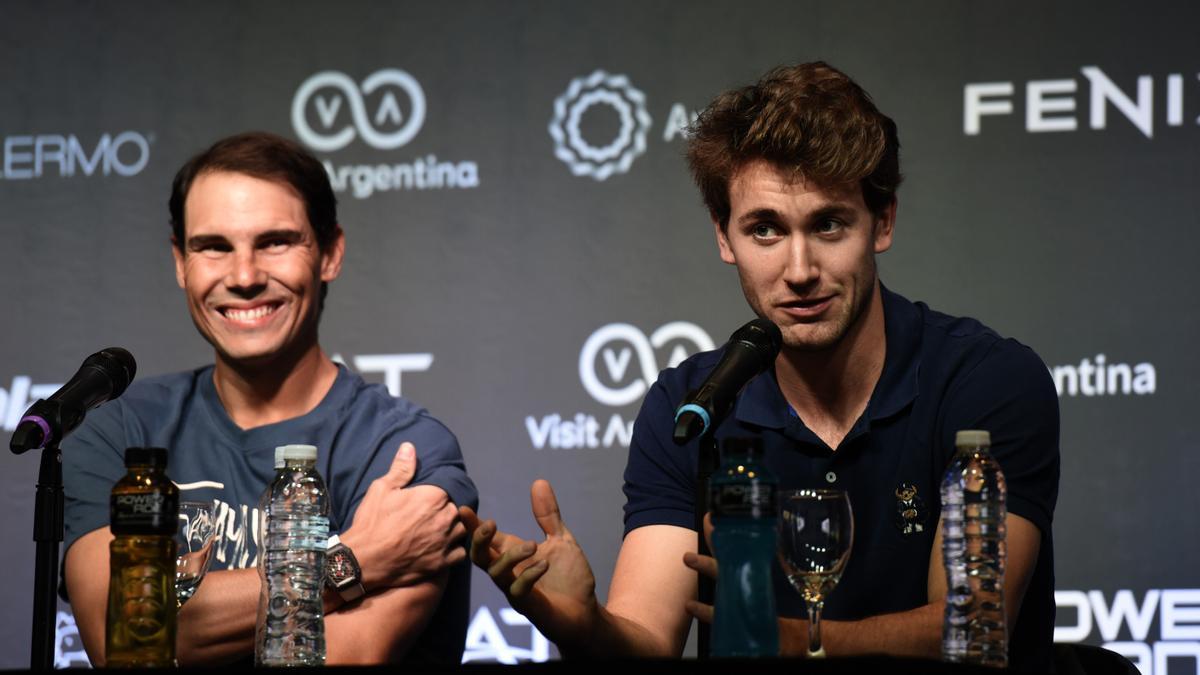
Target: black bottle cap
(750, 446)
(145, 457)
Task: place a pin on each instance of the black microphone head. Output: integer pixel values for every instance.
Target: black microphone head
(117, 364)
(763, 335)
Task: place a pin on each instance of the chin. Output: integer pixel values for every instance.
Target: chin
(824, 338)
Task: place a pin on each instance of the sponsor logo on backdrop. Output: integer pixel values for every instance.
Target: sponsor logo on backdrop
(600, 158)
(1096, 376)
(600, 154)
(487, 641)
(330, 111)
(21, 394)
(26, 157)
(390, 366)
(1056, 104)
(617, 365)
(68, 646)
(1123, 623)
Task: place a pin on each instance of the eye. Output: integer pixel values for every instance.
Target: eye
(829, 226)
(764, 231)
(275, 244)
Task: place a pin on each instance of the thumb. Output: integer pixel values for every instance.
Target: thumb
(404, 466)
(545, 508)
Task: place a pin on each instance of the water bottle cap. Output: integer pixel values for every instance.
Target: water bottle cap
(972, 438)
(145, 456)
(301, 452)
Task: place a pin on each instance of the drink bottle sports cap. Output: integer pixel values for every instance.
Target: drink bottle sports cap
(972, 438)
(145, 456)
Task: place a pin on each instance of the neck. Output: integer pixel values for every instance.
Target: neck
(256, 394)
(830, 389)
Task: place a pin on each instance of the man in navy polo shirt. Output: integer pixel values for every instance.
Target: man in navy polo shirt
(799, 173)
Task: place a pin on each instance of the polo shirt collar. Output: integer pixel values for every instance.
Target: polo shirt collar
(762, 403)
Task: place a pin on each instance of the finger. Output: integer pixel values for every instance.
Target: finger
(468, 517)
(404, 466)
(703, 564)
(456, 555)
(456, 534)
(545, 508)
(503, 567)
(525, 581)
(701, 611)
(481, 544)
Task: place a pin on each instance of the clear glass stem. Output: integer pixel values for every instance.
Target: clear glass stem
(814, 628)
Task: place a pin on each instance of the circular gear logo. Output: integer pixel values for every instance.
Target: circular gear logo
(584, 157)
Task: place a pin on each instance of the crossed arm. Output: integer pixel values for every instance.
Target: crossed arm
(404, 538)
(652, 597)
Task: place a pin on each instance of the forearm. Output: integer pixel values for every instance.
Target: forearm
(217, 625)
(916, 632)
(617, 636)
(381, 627)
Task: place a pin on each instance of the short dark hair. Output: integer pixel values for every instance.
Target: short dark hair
(269, 157)
(810, 119)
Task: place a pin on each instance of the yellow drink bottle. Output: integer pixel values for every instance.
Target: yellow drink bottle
(143, 512)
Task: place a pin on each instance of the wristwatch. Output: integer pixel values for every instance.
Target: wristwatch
(342, 572)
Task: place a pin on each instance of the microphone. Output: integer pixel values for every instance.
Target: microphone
(750, 350)
(102, 377)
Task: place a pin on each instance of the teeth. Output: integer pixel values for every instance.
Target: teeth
(249, 314)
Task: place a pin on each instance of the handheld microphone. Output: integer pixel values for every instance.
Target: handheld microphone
(750, 350)
(102, 377)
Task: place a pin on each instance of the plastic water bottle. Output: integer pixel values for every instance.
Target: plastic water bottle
(291, 562)
(973, 511)
(744, 507)
(144, 507)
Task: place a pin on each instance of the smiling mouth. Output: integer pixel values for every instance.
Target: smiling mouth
(248, 314)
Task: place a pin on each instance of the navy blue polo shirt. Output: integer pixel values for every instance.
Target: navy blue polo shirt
(940, 374)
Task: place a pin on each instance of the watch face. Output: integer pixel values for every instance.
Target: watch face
(339, 566)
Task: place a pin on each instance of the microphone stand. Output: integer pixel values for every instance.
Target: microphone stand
(705, 468)
(48, 535)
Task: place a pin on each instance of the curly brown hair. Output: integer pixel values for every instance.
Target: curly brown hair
(810, 119)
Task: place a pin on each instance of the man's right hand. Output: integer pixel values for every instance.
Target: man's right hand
(551, 583)
(404, 535)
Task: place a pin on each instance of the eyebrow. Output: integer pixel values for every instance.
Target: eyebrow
(200, 241)
(767, 213)
(289, 235)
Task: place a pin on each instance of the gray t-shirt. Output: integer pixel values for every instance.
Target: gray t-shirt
(357, 429)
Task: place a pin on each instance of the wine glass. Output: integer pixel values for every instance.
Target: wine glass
(816, 531)
(194, 543)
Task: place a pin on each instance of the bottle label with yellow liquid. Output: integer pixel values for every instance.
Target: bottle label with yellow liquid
(141, 625)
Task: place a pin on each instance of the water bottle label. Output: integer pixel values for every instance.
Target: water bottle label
(144, 513)
(744, 500)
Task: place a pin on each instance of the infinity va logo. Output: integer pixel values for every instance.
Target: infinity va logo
(388, 112)
(588, 159)
(617, 343)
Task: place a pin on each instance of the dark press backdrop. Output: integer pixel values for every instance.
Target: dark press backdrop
(525, 249)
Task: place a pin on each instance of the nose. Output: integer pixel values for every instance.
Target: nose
(802, 269)
(245, 275)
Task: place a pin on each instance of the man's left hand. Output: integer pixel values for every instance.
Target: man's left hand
(404, 535)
